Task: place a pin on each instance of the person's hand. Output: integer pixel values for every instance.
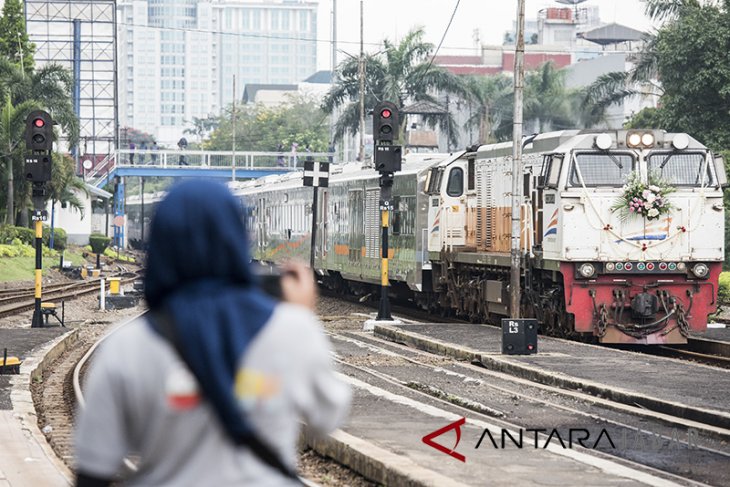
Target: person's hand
(298, 286)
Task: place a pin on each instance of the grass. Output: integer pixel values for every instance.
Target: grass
(23, 268)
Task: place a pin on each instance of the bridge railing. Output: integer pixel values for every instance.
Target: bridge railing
(101, 170)
(216, 159)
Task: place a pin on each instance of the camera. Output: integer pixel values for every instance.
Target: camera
(270, 280)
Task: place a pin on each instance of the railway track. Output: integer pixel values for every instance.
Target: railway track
(702, 350)
(709, 352)
(16, 302)
(511, 402)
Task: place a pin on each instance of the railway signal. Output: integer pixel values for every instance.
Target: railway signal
(38, 163)
(386, 119)
(385, 122)
(39, 131)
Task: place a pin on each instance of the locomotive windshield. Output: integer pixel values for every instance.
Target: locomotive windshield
(601, 168)
(681, 169)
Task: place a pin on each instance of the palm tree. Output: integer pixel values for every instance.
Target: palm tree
(614, 88)
(490, 104)
(402, 73)
(65, 185)
(47, 88)
(548, 103)
(12, 125)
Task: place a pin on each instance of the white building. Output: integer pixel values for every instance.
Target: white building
(78, 227)
(178, 58)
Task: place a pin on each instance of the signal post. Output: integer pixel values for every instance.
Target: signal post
(387, 162)
(38, 163)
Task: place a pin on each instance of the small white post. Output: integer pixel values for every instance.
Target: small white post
(102, 295)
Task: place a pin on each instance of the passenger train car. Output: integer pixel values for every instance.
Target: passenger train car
(591, 266)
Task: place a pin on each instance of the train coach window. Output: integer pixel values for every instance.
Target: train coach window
(550, 172)
(681, 169)
(433, 182)
(455, 186)
(601, 169)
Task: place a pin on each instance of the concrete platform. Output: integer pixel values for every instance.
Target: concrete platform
(20, 342)
(383, 440)
(26, 458)
(687, 390)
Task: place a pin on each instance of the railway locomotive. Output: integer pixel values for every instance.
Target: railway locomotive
(595, 264)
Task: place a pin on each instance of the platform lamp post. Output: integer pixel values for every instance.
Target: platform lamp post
(38, 163)
(387, 162)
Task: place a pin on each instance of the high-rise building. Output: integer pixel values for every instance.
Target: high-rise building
(178, 58)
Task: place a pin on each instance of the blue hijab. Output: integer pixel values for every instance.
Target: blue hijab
(198, 273)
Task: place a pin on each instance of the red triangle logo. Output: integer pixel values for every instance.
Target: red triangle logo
(428, 439)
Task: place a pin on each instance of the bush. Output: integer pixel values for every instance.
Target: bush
(59, 237)
(99, 242)
(8, 233)
(723, 293)
(21, 250)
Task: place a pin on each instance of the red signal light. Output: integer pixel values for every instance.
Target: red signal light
(386, 113)
(39, 122)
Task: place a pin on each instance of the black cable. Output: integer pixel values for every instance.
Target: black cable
(328, 41)
(453, 14)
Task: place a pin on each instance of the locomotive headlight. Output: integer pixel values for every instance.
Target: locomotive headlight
(633, 140)
(647, 140)
(680, 141)
(587, 270)
(700, 270)
(680, 266)
(603, 141)
(610, 266)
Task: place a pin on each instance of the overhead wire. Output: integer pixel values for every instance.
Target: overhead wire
(253, 35)
(446, 31)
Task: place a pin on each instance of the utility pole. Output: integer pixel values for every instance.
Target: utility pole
(334, 38)
(233, 129)
(333, 116)
(515, 253)
(361, 71)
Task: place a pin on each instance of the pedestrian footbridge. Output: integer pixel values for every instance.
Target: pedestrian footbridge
(196, 163)
(121, 164)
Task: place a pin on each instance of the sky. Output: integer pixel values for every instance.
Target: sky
(392, 19)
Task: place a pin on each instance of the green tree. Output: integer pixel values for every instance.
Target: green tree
(65, 186)
(202, 127)
(694, 68)
(648, 118)
(490, 103)
(12, 126)
(401, 73)
(689, 55)
(548, 103)
(263, 128)
(14, 43)
(48, 88)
